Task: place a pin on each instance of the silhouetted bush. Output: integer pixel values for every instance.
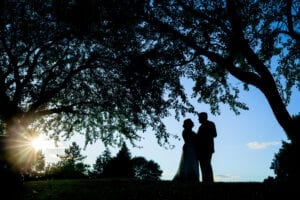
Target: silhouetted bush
(286, 163)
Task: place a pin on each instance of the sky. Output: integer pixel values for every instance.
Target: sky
(244, 148)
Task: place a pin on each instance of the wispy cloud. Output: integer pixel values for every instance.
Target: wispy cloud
(226, 178)
(262, 145)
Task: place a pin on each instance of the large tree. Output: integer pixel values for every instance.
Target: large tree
(254, 42)
(85, 69)
(80, 70)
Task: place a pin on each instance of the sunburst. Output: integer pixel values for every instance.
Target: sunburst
(40, 143)
(21, 149)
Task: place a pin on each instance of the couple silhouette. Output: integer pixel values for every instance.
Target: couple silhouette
(198, 149)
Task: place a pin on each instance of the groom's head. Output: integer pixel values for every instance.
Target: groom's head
(202, 117)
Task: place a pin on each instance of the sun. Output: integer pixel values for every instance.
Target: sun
(40, 143)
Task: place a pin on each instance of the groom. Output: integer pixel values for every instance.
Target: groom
(205, 146)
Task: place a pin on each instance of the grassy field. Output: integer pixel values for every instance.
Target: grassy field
(152, 190)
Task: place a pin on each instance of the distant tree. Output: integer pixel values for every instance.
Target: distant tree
(40, 163)
(53, 170)
(119, 166)
(70, 165)
(146, 170)
(101, 161)
(72, 154)
(123, 166)
(37, 169)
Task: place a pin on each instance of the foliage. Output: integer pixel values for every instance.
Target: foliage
(101, 161)
(115, 69)
(88, 75)
(219, 42)
(284, 164)
(123, 166)
(146, 170)
(70, 164)
(39, 164)
(122, 85)
(37, 168)
(120, 165)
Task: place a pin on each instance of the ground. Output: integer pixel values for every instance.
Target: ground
(152, 190)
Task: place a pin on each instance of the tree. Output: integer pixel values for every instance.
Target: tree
(101, 161)
(37, 168)
(146, 170)
(106, 79)
(284, 163)
(78, 77)
(255, 42)
(39, 164)
(70, 165)
(119, 166)
(123, 166)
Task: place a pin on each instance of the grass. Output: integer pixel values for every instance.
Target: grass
(143, 190)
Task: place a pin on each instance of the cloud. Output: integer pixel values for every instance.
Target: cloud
(226, 178)
(262, 145)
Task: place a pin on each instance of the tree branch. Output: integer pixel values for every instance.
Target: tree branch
(290, 24)
(268, 85)
(247, 77)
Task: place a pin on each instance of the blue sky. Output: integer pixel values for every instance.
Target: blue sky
(244, 148)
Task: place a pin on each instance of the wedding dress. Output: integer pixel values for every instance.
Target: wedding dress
(188, 166)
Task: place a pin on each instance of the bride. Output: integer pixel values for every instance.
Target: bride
(188, 166)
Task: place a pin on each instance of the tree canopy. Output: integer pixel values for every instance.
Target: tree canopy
(254, 42)
(107, 69)
(63, 74)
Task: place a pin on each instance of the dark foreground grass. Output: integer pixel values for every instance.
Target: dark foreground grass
(152, 190)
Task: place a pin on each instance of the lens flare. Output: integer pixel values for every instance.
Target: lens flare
(21, 148)
(19, 152)
(39, 143)
(20, 144)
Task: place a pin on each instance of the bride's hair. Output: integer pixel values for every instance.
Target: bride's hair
(188, 123)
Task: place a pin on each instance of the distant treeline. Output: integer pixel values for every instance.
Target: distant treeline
(71, 166)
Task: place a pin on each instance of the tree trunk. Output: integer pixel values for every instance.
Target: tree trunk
(283, 117)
